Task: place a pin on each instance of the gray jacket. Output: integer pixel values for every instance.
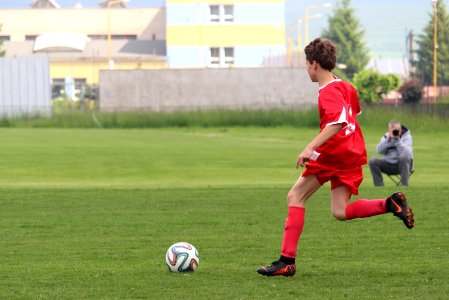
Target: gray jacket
(392, 149)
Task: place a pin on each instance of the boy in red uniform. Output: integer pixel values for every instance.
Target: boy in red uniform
(336, 154)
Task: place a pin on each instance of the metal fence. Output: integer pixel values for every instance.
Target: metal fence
(24, 86)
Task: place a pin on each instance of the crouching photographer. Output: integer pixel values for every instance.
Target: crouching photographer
(397, 154)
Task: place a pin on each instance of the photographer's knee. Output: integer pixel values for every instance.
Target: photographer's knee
(373, 161)
(403, 159)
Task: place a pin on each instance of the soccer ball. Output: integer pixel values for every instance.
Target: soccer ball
(182, 257)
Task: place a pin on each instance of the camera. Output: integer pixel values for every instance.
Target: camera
(396, 132)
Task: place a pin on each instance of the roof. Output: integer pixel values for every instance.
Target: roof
(44, 4)
(95, 50)
(399, 66)
(113, 3)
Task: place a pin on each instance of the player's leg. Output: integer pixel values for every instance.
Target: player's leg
(301, 191)
(297, 198)
(363, 208)
(339, 201)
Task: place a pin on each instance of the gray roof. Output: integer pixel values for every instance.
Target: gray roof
(115, 4)
(399, 66)
(154, 47)
(95, 50)
(44, 4)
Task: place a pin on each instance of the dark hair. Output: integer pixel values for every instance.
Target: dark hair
(323, 52)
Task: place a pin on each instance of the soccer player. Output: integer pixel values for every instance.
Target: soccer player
(336, 154)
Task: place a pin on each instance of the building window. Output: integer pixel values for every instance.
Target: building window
(221, 13)
(221, 57)
(80, 83)
(214, 57)
(98, 37)
(30, 37)
(228, 56)
(228, 15)
(57, 87)
(5, 38)
(214, 13)
(127, 37)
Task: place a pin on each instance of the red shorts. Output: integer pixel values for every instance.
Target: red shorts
(352, 178)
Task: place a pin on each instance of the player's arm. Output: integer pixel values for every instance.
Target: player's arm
(320, 139)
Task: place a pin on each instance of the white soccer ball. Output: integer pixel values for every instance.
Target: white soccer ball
(182, 257)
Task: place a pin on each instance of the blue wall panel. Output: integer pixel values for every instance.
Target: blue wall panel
(253, 56)
(263, 13)
(188, 14)
(184, 57)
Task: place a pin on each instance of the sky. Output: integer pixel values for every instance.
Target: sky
(386, 23)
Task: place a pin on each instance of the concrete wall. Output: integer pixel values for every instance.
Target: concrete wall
(168, 90)
(24, 86)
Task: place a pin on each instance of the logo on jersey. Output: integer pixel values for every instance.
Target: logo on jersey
(350, 128)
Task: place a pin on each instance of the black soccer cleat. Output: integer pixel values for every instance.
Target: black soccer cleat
(278, 268)
(397, 204)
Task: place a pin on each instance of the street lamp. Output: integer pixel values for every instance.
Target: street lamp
(289, 52)
(307, 17)
(306, 26)
(108, 7)
(299, 38)
(300, 20)
(435, 47)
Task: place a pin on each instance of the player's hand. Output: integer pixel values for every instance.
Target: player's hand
(304, 157)
(301, 161)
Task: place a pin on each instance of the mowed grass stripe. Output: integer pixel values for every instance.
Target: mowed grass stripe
(142, 158)
(172, 158)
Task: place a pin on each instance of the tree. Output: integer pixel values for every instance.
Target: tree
(371, 85)
(411, 91)
(424, 54)
(344, 31)
(2, 52)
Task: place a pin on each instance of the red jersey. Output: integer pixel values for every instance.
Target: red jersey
(338, 104)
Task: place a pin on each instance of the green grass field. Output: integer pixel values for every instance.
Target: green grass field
(90, 213)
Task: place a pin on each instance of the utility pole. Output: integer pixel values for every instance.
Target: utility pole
(435, 47)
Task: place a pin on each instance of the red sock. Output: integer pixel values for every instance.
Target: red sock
(292, 230)
(365, 208)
